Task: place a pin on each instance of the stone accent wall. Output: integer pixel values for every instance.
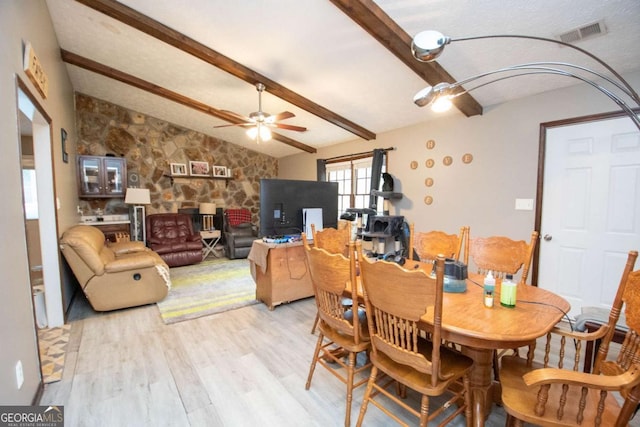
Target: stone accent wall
(151, 144)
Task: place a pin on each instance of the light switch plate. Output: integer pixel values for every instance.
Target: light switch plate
(524, 204)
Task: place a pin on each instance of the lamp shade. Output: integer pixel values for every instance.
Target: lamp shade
(428, 45)
(137, 196)
(259, 131)
(207, 208)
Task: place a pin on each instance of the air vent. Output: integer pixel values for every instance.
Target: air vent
(585, 31)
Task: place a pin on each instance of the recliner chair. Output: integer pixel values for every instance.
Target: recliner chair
(171, 235)
(114, 275)
(239, 233)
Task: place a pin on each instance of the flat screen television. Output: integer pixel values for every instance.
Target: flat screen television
(283, 200)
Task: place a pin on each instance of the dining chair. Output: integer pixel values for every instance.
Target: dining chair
(335, 241)
(428, 245)
(340, 331)
(502, 255)
(396, 299)
(548, 394)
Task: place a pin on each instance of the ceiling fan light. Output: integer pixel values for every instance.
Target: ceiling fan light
(252, 132)
(426, 46)
(259, 133)
(265, 133)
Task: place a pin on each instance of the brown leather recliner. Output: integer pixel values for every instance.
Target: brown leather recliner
(117, 275)
(171, 235)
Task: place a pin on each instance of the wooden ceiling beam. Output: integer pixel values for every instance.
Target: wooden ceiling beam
(96, 67)
(178, 40)
(378, 24)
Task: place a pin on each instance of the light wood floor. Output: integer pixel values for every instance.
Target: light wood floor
(245, 367)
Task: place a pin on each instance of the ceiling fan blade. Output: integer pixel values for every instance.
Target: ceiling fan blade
(227, 126)
(281, 116)
(235, 124)
(237, 116)
(289, 127)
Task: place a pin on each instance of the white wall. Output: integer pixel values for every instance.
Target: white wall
(21, 22)
(504, 143)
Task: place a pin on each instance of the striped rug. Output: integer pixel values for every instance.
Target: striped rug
(213, 286)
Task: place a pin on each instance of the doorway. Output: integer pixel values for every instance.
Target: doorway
(589, 218)
(31, 222)
(41, 236)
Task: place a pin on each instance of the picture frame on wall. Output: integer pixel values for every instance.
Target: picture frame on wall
(197, 168)
(220, 171)
(63, 138)
(178, 169)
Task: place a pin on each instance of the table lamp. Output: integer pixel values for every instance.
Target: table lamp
(207, 210)
(138, 197)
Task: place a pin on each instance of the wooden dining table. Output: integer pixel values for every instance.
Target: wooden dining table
(480, 330)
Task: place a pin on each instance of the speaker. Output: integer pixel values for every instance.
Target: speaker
(133, 180)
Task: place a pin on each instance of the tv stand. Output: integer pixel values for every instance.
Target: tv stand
(280, 272)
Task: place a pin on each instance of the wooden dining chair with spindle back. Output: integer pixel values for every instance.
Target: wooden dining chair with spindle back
(546, 393)
(429, 244)
(340, 331)
(335, 241)
(501, 256)
(396, 299)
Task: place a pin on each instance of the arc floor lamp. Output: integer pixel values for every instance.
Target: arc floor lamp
(429, 45)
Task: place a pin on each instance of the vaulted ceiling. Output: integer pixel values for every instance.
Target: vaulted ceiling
(343, 67)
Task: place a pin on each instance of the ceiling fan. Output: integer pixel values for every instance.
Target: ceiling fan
(259, 122)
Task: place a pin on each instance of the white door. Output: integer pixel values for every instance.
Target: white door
(591, 210)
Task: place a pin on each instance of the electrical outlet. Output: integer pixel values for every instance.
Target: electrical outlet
(19, 374)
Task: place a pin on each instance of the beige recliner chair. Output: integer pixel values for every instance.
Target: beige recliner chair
(118, 275)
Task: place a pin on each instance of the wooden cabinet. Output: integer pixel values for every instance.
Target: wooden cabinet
(286, 275)
(111, 229)
(101, 176)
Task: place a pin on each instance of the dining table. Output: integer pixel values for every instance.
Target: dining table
(479, 330)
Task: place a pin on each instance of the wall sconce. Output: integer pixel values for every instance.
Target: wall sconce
(138, 197)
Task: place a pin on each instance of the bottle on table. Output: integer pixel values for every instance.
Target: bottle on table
(508, 290)
(489, 287)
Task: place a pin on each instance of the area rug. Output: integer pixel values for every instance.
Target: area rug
(210, 287)
(53, 346)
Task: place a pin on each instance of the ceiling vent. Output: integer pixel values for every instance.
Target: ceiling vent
(585, 31)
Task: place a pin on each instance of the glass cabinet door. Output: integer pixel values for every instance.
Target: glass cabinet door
(114, 180)
(90, 181)
(101, 176)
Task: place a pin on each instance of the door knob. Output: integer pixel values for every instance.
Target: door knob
(547, 237)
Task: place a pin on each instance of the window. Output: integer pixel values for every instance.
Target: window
(354, 182)
(30, 191)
